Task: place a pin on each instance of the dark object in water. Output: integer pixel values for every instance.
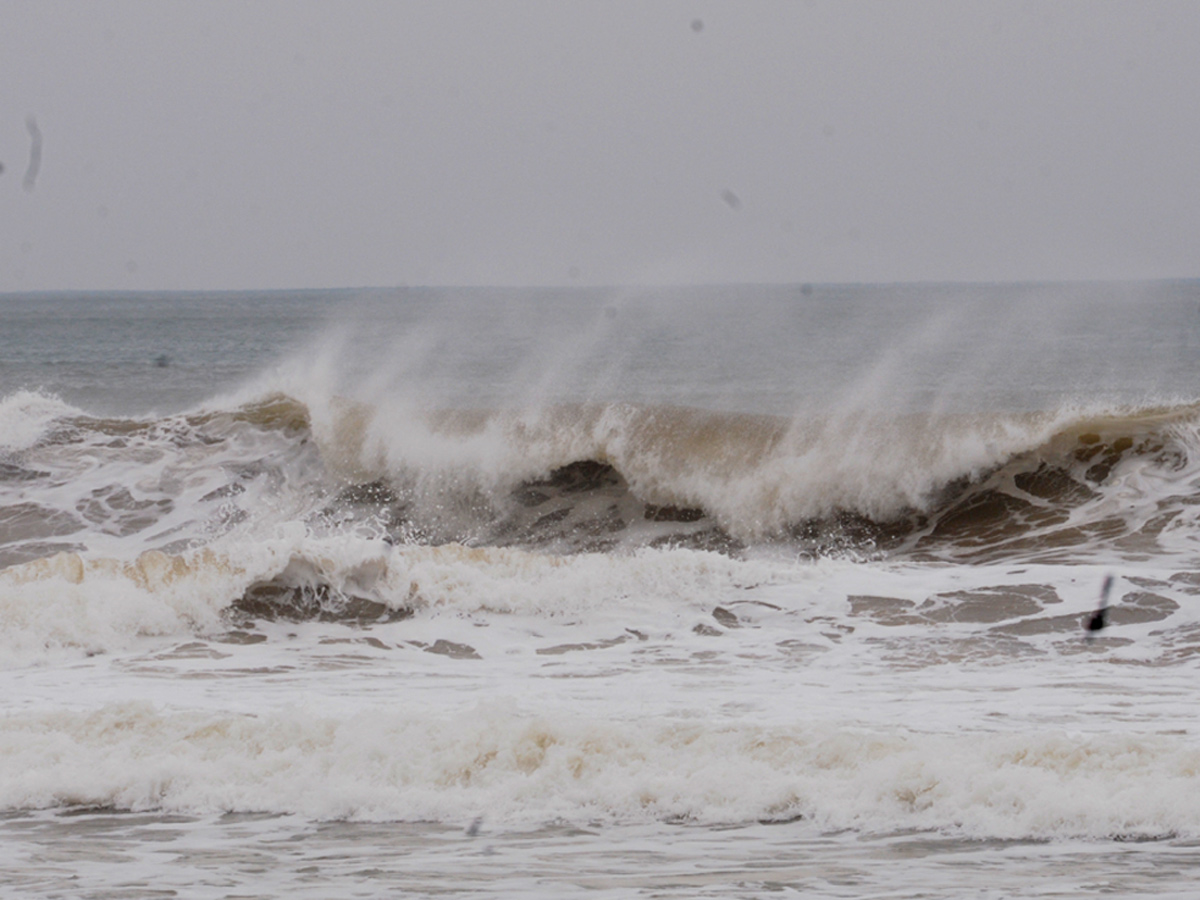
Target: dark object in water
(162, 361)
(35, 153)
(1099, 619)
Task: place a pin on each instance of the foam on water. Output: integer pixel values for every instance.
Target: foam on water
(595, 688)
(99, 604)
(521, 770)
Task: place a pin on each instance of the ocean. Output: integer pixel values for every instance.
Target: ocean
(730, 591)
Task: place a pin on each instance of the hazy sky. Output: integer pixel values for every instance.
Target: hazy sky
(301, 144)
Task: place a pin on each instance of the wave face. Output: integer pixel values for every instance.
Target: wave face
(595, 478)
(718, 557)
(985, 486)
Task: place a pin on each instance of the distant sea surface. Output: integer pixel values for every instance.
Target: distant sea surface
(672, 592)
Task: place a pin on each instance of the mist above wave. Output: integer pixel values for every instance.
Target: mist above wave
(778, 349)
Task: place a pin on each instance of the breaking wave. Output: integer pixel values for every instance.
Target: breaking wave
(604, 477)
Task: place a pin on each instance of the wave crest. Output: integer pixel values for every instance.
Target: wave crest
(584, 477)
(573, 478)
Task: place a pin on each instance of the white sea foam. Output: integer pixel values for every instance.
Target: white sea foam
(529, 770)
(97, 604)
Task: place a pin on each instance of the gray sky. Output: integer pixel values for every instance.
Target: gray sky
(300, 144)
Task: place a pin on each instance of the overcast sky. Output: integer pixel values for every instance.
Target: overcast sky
(298, 144)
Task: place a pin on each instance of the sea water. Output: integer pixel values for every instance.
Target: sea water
(723, 591)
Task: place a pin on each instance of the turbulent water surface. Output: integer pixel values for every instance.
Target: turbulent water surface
(675, 592)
